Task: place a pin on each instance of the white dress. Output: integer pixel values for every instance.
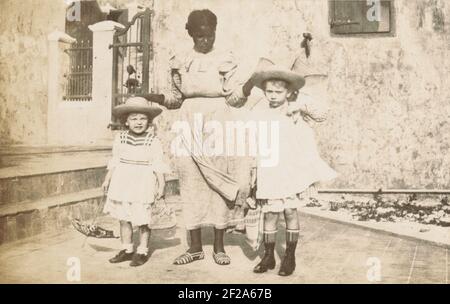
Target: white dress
(299, 162)
(133, 185)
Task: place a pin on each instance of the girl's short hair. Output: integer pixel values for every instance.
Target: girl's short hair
(292, 94)
(198, 18)
(278, 81)
(151, 125)
(123, 119)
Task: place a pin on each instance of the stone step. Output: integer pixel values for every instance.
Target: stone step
(48, 215)
(34, 187)
(38, 174)
(11, 150)
(42, 187)
(20, 189)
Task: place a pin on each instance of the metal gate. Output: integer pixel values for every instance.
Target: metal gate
(132, 52)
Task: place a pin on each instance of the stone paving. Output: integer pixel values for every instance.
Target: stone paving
(328, 252)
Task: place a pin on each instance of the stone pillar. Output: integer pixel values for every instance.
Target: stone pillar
(54, 95)
(102, 68)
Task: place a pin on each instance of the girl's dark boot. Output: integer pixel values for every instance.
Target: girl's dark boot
(268, 260)
(288, 263)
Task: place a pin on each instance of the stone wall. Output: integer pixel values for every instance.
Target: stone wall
(23, 62)
(389, 123)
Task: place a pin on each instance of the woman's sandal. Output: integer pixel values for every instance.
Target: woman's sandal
(187, 258)
(221, 258)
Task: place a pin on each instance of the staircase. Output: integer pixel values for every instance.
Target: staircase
(41, 188)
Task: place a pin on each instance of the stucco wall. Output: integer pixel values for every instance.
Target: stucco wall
(23, 62)
(389, 124)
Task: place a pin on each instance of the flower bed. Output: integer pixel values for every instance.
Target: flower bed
(435, 211)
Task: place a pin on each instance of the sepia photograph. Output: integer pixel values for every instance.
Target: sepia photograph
(224, 142)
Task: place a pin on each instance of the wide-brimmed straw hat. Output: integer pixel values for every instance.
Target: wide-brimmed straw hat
(137, 105)
(267, 70)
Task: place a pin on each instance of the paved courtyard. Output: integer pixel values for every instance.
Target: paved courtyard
(328, 252)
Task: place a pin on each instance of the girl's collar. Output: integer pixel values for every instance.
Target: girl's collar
(144, 134)
(282, 107)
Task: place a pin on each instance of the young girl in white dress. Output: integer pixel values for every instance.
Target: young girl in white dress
(135, 177)
(281, 187)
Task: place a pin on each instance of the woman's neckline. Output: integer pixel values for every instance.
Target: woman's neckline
(213, 50)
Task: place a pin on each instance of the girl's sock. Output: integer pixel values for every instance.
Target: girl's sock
(142, 250)
(128, 247)
(292, 235)
(269, 236)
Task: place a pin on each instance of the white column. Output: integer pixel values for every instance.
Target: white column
(102, 68)
(54, 94)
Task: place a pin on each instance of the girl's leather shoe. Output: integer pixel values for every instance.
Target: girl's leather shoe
(122, 256)
(138, 259)
(268, 260)
(288, 264)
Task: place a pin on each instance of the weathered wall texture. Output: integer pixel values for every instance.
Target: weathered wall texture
(389, 124)
(23, 61)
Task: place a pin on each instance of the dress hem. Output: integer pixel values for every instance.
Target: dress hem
(220, 226)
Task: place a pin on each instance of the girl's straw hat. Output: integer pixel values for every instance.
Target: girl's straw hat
(267, 70)
(137, 105)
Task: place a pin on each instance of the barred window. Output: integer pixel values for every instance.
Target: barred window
(78, 85)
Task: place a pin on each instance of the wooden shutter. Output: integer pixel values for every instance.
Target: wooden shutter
(90, 14)
(351, 17)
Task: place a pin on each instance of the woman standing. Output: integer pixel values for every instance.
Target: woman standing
(212, 186)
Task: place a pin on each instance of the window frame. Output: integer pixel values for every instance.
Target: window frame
(392, 22)
(78, 77)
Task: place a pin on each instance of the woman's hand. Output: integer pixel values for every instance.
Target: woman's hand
(236, 99)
